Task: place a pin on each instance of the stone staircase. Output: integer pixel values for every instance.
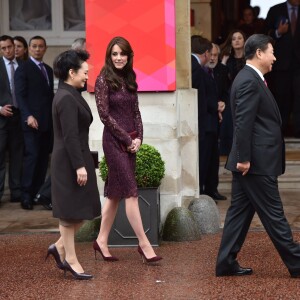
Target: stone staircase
(289, 180)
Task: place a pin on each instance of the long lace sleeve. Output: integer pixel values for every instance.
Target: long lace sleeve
(138, 120)
(102, 102)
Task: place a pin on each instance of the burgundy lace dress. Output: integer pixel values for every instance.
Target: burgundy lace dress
(120, 114)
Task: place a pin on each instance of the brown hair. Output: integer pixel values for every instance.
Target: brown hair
(112, 76)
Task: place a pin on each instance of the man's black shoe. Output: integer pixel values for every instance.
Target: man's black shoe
(216, 196)
(295, 274)
(39, 199)
(15, 200)
(237, 272)
(26, 204)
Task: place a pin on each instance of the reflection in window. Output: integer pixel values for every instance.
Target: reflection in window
(74, 15)
(30, 15)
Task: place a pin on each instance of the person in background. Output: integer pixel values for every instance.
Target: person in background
(11, 135)
(249, 24)
(79, 44)
(117, 103)
(21, 48)
(75, 195)
(256, 160)
(283, 25)
(34, 94)
(220, 75)
(232, 55)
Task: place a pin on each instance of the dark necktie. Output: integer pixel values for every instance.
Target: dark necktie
(43, 69)
(12, 83)
(293, 20)
(210, 72)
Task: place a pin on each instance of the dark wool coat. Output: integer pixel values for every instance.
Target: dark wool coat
(71, 120)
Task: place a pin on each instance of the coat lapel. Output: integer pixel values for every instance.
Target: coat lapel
(4, 73)
(268, 93)
(77, 96)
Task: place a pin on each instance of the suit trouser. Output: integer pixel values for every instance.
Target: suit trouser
(250, 194)
(11, 140)
(35, 163)
(209, 163)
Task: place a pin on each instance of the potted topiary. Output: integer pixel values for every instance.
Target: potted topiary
(150, 169)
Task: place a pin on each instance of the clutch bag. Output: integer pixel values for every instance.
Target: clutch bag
(133, 136)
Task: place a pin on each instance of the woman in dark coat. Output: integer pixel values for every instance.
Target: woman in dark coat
(75, 195)
(117, 103)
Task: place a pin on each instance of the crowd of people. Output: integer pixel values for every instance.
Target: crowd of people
(35, 122)
(222, 61)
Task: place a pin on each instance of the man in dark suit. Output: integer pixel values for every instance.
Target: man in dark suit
(34, 92)
(256, 159)
(11, 136)
(207, 112)
(283, 25)
(220, 85)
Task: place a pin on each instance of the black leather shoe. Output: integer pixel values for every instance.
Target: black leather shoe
(237, 272)
(295, 274)
(39, 199)
(26, 204)
(15, 200)
(216, 196)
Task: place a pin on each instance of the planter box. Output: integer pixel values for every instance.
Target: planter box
(122, 234)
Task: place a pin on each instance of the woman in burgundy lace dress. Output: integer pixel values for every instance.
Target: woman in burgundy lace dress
(117, 103)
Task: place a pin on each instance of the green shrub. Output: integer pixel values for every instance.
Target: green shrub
(150, 168)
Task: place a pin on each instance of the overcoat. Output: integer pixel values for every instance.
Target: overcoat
(71, 121)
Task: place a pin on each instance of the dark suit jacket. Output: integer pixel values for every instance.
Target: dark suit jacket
(211, 93)
(287, 47)
(257, 126)
(34, 94)
(198, 83)
(222, 82)
(5, 92)
(71, 121)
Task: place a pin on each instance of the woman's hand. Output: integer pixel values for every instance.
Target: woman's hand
(135, 146)
(81, 176)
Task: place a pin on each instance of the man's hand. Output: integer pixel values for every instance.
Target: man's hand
(243, 167)
(6, 110)
(283, 27)
(32, 122)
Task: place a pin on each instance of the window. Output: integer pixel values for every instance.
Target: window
(59, 22)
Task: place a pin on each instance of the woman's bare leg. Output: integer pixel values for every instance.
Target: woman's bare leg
(107, 219)
(135, 220)
(68, 240)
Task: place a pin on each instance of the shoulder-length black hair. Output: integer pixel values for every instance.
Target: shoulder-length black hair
(70, 59)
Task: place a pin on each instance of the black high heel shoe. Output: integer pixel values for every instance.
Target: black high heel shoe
(80, 276)
(53, 251)
(106, 258)
(148, 260)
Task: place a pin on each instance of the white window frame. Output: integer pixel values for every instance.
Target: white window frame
(55, 37)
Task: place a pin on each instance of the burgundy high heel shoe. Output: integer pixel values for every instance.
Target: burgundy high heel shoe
(53, 251)
(106, 258)
(80, 276)
(148, 260)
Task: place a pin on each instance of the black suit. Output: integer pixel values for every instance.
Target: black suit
(11, 139)
(209, 174)
(34, 96)
(284, 80)
(257, 139)
(198, 83)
